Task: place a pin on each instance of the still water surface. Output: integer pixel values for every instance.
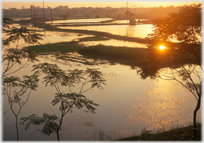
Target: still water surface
(140, 31)
(88, 20)
(122, 30)
(128, 104)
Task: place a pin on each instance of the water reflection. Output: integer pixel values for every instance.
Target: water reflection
(112, 42)
(163, 107)
(18, 19)
(73, 57)
(130, 31)
(127, 21)
(168, 106)
(91, 20)
(55, 37)
(141, 31)
(49, 37)
(127, 105)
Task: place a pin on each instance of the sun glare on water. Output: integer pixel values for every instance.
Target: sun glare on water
(162, 47)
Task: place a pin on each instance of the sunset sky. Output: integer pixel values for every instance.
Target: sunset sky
(96, 3)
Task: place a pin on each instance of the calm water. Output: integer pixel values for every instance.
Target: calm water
(91, 20)
(113, 42)
(123, 30)
(20, 18)
(128, 104)
(140, 31)
(127, 21)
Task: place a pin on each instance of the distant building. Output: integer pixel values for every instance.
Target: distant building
(62, 8)
(66, 7)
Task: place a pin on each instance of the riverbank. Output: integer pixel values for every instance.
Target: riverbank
(177, 134)
(134, 57)
(113, 54)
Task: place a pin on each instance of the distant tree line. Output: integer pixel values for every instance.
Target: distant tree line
(140, 12)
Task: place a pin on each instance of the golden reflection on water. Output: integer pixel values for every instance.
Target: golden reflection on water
(127, 105)
(112, 42)
(78, 21)
(163, 107)
(140, 31)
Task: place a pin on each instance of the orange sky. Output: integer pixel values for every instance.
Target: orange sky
(98, 3)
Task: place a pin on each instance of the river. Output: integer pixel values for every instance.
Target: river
(128, 103)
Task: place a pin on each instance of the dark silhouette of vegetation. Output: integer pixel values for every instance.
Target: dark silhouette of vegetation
(57, 77)
(13, 87)
(185, 28)
(15, 55)
(14, 34)
(177, 134)
(20, 89)
(54, 76)
(182, 60)
(6, 23)
(82, 12)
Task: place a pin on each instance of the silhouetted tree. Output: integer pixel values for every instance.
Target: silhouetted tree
(15, 55)
(181, 34)
(13, 87)
(66, 101)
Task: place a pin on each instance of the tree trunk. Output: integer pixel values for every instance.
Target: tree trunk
(194, 115)
(60, 124)
(17, 128)
(58, 135)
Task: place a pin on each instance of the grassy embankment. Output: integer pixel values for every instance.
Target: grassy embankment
(177, 134)
(134, 57)
(122, 55)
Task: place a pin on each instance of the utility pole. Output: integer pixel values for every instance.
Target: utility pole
(127, 5)
(34, 11)
(133, 6)
(44, 13)
(51, 15)
(31, 11)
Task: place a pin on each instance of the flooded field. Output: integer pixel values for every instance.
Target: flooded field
(49, 37)
(117, 43)
(77, 21)
(128, 103)
(140, 31)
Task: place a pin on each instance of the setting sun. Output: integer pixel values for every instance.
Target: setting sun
(162, 47)
(75, 55)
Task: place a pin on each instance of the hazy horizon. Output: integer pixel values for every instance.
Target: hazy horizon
(71, 4)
